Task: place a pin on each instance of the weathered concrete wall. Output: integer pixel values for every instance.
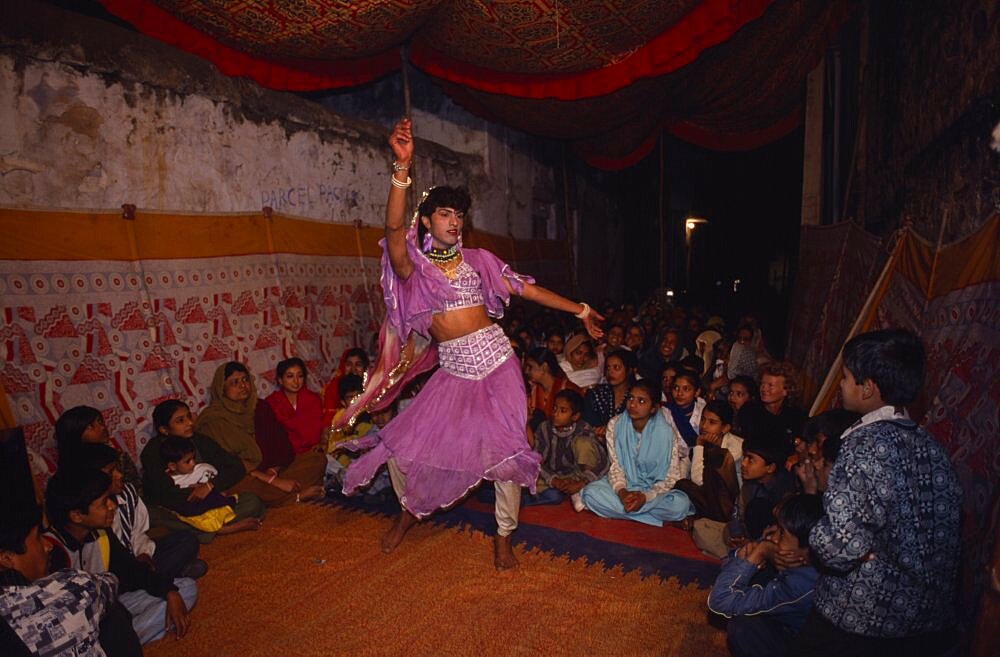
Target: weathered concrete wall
(931, 99)
(93, 116)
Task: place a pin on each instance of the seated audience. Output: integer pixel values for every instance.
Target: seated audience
(765, 483)
(714, 482)
(742, 389)
(213, 513)
(775, 414)
(173, 555)
(172, 418)
(635, 338)
(647, 459)
(614, 338)
(651, 362)
(43, 614)
(685, 406)
(890, 542)
(242, 426)
(85, 424)
(606, 400)
(298, 409)
(554, 341)
(352, 361)
(743, 357)
(582, 365)
(351, 386)
(545, 379)
(764, 618)
(81, 512)
(572, 455)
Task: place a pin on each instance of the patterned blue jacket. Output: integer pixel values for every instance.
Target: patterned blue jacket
(890, 537)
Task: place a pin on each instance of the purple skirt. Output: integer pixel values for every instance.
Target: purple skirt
(466, 424)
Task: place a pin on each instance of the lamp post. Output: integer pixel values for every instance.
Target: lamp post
(690, 224)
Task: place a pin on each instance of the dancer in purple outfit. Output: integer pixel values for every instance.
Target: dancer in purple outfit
(469, 421)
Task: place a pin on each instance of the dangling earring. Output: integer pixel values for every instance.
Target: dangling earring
(459, 243)
(428, 242)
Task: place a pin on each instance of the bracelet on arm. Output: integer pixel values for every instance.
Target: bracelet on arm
(396, 166)
(583, 313)
(400, 185)
(272, 478)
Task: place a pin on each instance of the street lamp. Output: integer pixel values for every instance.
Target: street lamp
(690, 224)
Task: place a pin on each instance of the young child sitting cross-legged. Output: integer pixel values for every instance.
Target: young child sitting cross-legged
(572, 454)
(81, 510)
(214, 512)
(763, 619)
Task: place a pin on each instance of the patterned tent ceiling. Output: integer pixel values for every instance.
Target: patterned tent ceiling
(606, 75)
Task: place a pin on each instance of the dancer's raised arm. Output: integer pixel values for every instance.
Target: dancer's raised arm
(401, 141)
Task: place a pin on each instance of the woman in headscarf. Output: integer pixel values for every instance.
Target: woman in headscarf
(647, 459)
(251, 431)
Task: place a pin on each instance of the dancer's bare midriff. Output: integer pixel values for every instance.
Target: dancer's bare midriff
(453, 324)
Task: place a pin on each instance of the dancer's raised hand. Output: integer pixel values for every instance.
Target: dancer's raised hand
(401, 141)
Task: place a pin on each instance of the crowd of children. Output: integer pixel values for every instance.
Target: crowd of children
(837, 533)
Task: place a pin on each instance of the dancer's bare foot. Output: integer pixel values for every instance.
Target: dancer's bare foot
(244, 525)
(311, 493)
(503, 553)
(395, 535)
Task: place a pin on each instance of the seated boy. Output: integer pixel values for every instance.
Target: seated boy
(572, 454)
(765, 483)
(763, 619)
(173, 555)
(349, 387)
(890, 542)
(42, 614)
(81, 510)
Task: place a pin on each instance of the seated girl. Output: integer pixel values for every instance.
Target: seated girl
(572, 455)
(85, 424)
(606, 400)
(742, 389)
(714, 483)
(242, 426)
(297, 408)
(581, 364)
(173, 419)
(647, 459)
(215, 512)
(545, 379)
(353, 361)
(686, 406)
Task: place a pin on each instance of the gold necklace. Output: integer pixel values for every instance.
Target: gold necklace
(449, 267)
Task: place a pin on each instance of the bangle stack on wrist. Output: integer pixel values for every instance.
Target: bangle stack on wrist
(400, 185)
(583, 313)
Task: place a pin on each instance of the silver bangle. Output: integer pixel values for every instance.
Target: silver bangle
(400, 185)
(396, 166)
(583, 313)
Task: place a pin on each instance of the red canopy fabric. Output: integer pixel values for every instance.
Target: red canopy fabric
(606, 75)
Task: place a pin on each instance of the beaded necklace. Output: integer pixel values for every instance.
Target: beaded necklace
(447, 260)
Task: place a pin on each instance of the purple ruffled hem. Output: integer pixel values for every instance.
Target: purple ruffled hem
(454, 434)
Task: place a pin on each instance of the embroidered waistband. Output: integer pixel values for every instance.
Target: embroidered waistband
(476, 355)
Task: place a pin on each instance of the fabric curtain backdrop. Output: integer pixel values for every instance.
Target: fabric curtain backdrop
(606, 75)
(949, 298)
(122, 314)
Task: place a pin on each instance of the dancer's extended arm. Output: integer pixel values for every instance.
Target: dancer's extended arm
(401, 141)
(550, 299)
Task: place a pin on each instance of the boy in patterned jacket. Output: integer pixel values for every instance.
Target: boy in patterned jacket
(889, 541)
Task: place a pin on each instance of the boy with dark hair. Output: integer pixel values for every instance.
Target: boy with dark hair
(764, 618)
(173, 555)
(41, 614)
(765, 483)
(81, 510)
(572, 455)
(889, 541)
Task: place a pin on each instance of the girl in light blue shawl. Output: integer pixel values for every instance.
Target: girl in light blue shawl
(647, 459)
